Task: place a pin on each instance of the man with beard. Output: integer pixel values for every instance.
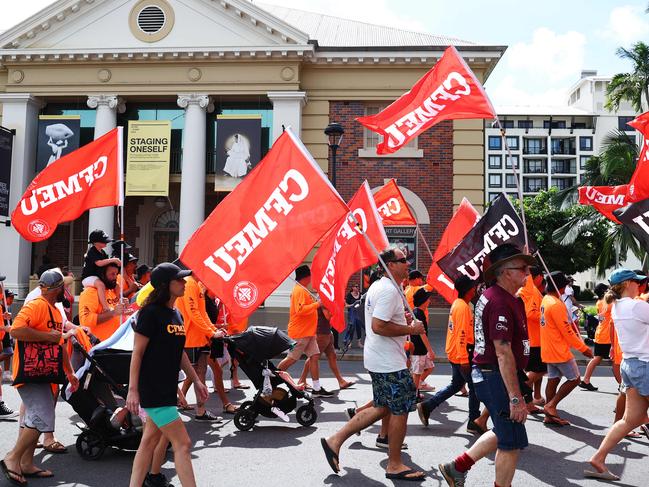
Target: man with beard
(102, 323)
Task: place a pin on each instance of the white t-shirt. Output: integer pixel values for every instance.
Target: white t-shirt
(631, 318)
(384, 354)
(566, 298)
(36, 292)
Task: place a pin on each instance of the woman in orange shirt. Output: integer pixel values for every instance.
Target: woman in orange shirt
(602, 337)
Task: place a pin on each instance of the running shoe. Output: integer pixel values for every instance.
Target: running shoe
(587, 387)
(5, 412)
(156, 480)
(474, 428)
(451, 475)
(322, 392)
(382, 442)
(208, 417)
(424, 415)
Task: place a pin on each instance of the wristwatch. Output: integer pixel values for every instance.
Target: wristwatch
(514, 401)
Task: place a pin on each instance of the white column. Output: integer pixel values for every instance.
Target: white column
(192, 179)
(107, 107)
(19, 112)
(287, 110)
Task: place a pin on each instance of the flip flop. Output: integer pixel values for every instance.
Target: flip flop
(535, 411)
(462, 394)
(633, 434)
(10, 474)
(347, 384)
(242, 386)
(605, 475)
(332, 458)
(55, 447)
(406, 475)
(38, 474)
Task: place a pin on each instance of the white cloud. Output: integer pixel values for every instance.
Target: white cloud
(538, 72)
(626, 24)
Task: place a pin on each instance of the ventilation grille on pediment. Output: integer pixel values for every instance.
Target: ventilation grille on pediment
(151, 19)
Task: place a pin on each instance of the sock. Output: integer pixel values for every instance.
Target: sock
(463, 463)
(316, 385)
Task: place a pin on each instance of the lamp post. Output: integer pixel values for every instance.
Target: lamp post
(334, 132)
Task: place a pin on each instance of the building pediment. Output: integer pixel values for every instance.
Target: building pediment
(97, 28)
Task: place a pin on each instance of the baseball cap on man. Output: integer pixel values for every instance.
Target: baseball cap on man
(51, 279)
(99, 236)
(558, 278)
(164, 273)
(620, 275)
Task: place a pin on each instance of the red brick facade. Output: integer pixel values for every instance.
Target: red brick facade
(430, 177)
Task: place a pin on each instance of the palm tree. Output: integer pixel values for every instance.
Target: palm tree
(633, 86)
(612, 167)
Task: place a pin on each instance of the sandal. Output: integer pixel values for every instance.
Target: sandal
(406, 475)
(242, 386)
(38, 474)
(347, 384)
(230, 408)
(332, 458)
(55, 447)
(13, 477)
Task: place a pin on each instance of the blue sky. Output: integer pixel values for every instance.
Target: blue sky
(550, 42)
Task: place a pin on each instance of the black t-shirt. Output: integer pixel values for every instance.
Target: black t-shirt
(161, 361)
(420, 347)
(89, 266)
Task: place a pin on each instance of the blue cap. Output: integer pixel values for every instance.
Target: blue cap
(621, 275)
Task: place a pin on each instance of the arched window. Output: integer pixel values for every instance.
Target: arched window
(165, 237)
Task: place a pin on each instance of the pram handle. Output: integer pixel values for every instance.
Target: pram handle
(118, 387)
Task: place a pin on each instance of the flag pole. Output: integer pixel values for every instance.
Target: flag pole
(517, 173)
(120, 209)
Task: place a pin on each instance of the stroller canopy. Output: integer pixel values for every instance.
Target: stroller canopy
(262, 342)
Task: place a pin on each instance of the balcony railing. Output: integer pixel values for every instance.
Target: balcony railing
(535, 150)
(563, 151)
(534, 188)
(536, 170)
(176, 161)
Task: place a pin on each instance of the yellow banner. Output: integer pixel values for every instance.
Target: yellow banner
(147, 161)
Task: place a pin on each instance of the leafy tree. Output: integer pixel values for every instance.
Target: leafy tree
(543, 215)
(633, 86)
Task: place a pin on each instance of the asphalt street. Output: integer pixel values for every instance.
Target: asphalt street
(280, 454)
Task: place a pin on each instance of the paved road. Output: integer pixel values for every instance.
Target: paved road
(278, 454)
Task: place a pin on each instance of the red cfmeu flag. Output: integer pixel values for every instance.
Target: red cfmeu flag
(605, 199)
(462, 221)
(264, 228)
(345, 250)
(448, 91)
(90, 177)
(392, 206)
(639, 184)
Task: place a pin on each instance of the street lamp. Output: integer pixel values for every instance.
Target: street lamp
(334, 132)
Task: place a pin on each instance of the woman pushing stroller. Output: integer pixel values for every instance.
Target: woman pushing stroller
(157, 358)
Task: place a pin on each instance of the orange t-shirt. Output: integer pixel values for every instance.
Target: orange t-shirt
(36, 315)
(198, 327)
(603, 332)
(616, 351)
(90, 308)
(460, 332)
(532, 298)
(303, 314)
(557, 332)
(125, 282)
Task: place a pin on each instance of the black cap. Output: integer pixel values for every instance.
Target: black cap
(8, 293)
(420, 296)
(501, 255)
(559, 278)
(141, 270)
(415, 274)
(51, 279)
(164, 273)
(302, 272)
(463, 284)
(131, 258)
(99, 236)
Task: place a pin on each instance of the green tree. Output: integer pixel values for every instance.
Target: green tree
(542, 215)
(633, 86)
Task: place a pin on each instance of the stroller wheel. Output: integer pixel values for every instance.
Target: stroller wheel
(244, 418)
(306, 415)
(90, 445)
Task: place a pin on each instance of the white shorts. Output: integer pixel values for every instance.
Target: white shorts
(419, 363)
(89, 281)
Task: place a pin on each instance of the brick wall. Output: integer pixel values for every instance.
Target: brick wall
(430, 177)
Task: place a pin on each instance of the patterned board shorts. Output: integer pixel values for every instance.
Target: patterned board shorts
(395, 391)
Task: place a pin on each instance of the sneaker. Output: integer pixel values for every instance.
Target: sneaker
(452, 476)
(382, 442)
(5, 412)
(350, 413)
(587, 387)
(645, 429)
(156, 480)
(322, 392)
(424, 415)
(208, 417)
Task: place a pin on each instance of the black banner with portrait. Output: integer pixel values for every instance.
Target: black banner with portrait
(58, 135)
(6, 147)
(238, 149)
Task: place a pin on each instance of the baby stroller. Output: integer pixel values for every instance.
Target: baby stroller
(105, 372)
(253, 349)
(591, 322)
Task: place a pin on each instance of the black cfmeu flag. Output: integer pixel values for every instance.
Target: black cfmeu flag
(499, 225)
(636, 218)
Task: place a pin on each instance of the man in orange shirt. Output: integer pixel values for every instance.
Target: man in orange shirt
(199, 331)
(302, 324)
(531, 294)
(102, 324)
(602, 337)
(458, 337)
(557, 337)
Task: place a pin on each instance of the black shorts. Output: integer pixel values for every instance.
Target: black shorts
(535, 364)
(602, 350)
(6, 340)
(194, 353)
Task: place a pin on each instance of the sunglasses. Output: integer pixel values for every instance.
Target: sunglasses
(403, 260)
(523, 268)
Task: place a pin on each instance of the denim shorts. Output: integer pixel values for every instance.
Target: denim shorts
(395, 391)
(635, 373)
(491, 391)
